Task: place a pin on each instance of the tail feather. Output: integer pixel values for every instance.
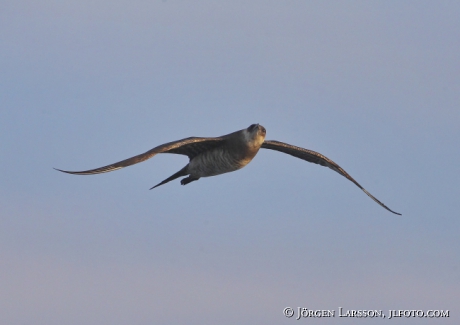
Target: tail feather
(182, 172)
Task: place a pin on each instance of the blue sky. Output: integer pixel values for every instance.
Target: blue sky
(375, 86)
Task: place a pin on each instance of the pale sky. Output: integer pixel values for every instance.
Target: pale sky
(375, 86)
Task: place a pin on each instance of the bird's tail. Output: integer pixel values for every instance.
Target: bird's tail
(182, 172)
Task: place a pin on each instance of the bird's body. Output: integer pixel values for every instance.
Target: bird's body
(215, 156)
(237, 150)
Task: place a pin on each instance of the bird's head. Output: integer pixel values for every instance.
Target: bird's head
(255, 135)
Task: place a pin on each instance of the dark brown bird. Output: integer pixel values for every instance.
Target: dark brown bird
(215, 156)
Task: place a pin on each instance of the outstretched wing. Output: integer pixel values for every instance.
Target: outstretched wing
(190, 147)
(317, 158)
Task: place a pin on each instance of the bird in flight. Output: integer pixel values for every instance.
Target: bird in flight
(224, 154)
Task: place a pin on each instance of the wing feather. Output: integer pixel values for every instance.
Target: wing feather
(317, 158)
(190, 147)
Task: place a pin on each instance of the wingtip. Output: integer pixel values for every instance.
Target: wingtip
(68, 172)
(387, 208)
(397, 213)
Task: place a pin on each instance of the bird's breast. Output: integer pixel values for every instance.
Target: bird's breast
(218, 161)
